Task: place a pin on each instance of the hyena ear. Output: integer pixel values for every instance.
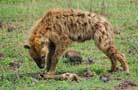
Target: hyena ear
(27, 46)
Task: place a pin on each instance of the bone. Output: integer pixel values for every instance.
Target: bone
(65, 76)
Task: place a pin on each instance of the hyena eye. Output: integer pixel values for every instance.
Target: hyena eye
(43, 56)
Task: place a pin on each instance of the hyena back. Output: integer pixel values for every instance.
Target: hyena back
(57, 29)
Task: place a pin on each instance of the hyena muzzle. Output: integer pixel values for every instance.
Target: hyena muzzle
(57, 29)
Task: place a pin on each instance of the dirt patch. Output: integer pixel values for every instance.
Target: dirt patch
(1, 24)
(133, 51)
(105, 78)
(15, 65)
(126, 85)
(1, 56)
(134, 2)
(87, 73)
(10, 26)
(117, 30)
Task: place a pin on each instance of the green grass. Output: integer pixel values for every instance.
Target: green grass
(22, 14)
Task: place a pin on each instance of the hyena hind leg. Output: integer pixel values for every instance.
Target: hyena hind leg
(115, 55)
(122, 59)
(104, 42)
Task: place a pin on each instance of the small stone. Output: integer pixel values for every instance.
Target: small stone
(87, 73)
(90, 60)
(73, 57)
(105, 78)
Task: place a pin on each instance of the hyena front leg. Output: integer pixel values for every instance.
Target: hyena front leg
(52, 49)
(61, 46)
(54, 60)
(104, 42)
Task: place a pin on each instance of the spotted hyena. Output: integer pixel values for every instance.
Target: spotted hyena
(57, 29)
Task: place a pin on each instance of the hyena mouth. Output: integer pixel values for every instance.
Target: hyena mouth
(40, 63)
(41, 66)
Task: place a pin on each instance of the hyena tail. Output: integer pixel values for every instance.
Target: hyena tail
(103, 40)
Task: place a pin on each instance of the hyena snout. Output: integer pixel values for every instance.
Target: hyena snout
(41, 66)
(40, 62)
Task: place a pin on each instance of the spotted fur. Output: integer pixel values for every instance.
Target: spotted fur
(57, 29)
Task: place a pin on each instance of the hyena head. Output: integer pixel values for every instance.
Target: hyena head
(38, 49)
